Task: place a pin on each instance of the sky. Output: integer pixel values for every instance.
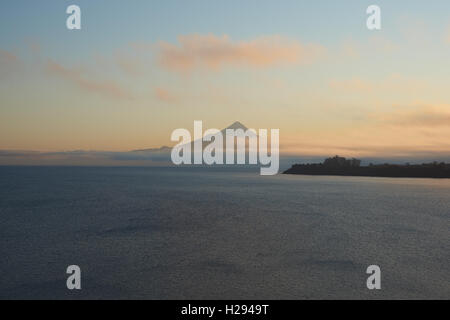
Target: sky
(138, 70)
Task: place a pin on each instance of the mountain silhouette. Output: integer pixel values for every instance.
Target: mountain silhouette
(235, 126)
(165, 149)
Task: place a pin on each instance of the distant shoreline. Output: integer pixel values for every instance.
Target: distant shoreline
(338, 166)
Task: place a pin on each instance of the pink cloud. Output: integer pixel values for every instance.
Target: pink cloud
(106, 88)
(211, 52)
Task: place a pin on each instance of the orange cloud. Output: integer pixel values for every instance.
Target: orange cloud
(409, 131)
(353, 49)
(164, 95)
(393, 83)
(7, 57)
(425, 117)
(211, 52)
(131, 65)
(447, 36)
(365, 149)
(106, 88)
(8, 63)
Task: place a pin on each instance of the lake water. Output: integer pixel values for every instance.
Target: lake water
(220, 233)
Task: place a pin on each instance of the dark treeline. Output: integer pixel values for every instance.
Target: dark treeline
(342, 167)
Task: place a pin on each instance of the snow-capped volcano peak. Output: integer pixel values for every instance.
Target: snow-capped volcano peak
(237, 125)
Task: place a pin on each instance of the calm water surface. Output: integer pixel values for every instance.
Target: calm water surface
(211, 233)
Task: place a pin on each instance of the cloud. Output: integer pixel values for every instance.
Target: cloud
(105, 88)
(432, 152)
(9, 63)
(392, 84)
(150, 157)
(409, 130)
(7, 57)
(131, 65)
(423, 117)
(447, 35)
(375, 44)
(164, 95)
(210, 52)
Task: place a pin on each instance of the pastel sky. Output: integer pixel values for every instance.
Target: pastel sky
(139, 69)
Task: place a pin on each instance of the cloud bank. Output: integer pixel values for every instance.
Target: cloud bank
(106, 88)
(213, 53)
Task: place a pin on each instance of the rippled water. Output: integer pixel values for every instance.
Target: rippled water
(218, 233)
